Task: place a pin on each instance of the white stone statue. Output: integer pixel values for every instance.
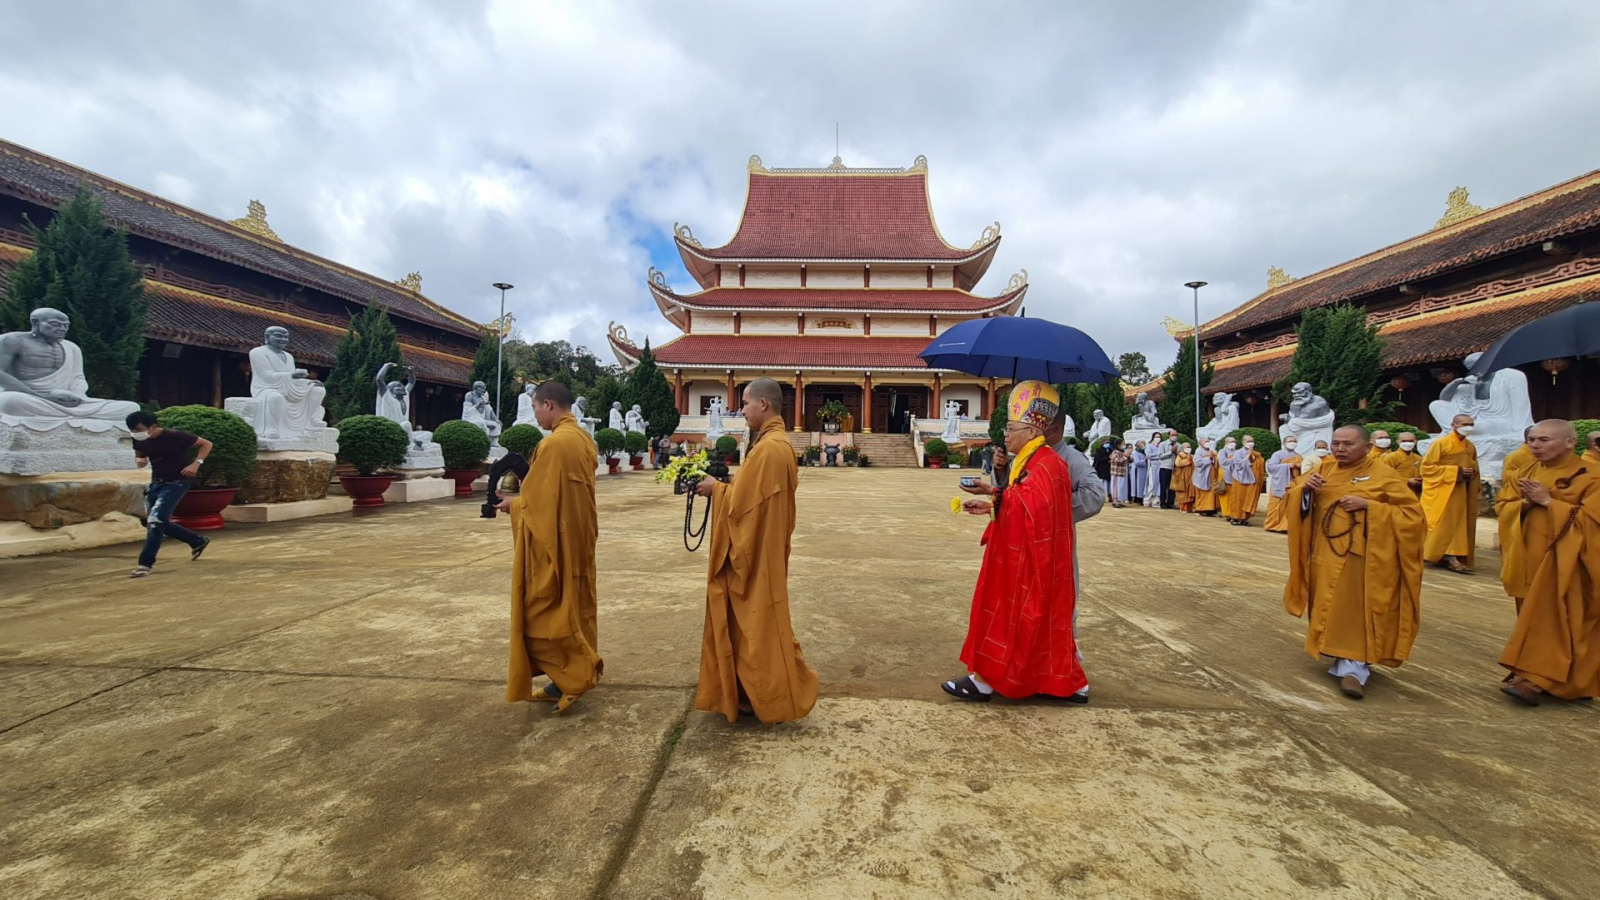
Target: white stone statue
(714, 428)
(635, 419)
(289, 404)
(1099, 428)
(580, 411)
(48, 421)
(1147, 419)
(1309, 417)
(1069, 428)
(1500, 410)
(478, 409)
(617, 420)
(525, 406)
(952, 422)
(394, 403)
(41, 376)
(1224, 418)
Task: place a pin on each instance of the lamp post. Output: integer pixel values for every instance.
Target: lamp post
(499, 346)
(1196, 286)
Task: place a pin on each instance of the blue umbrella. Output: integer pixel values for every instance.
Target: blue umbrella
(1020, 349)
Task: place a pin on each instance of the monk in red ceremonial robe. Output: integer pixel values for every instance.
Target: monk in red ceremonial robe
(1019, 640)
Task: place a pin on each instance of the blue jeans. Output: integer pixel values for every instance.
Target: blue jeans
(162, 499)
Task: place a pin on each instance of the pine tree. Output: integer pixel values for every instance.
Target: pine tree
(648, 388)
(1134, 368)
(999, 415)
(1177, 392)
(370, 342)
(80, 266)
(1340, 355)
(483, 366)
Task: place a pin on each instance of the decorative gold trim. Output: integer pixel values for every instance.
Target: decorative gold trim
(1277, 277)
(1176, 328)
(919, 165)
(990, 233)
(412, 282)
(619, 335)
(1457, 208)
(659, 279)
(755, 165)
(1017, 282)
(684, 234)
(255, 221)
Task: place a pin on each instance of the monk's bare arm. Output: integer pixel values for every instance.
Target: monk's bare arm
(10, 346)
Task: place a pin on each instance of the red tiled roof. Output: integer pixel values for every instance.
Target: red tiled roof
(839, 215)
(789, 351)
(1557, 212)
(860, 299)
(50, 182)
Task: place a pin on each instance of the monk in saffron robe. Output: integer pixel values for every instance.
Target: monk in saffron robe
(1550, 543)
(1205, 480)
(1247, 475)
(1283, 468)
(1355, 562)
(1406, 461)
(1381, 442)
(1593, 453)
(554, 630)
(750, 662)
(1450, 489)
(1517, 461)
(1020, 637)
(1183, 493)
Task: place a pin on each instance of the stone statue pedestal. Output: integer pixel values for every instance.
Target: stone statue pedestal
(429, 456)
(316, 440)
(70, 511)
(284, 476)
(1135, 435)
(41, 446)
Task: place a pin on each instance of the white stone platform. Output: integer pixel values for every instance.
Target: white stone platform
(283, 512)
(39, 446)
(414, 490)
(430, 456)
(21, 539)
(320, 440)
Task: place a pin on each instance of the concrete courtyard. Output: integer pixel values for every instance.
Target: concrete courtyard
(314, 710)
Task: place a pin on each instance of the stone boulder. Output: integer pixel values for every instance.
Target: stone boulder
(288, 477)
(56, 501)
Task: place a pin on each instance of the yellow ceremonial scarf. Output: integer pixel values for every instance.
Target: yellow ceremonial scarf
(1022, 458)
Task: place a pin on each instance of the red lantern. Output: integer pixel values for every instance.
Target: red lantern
(1400, 383)
(1446, 376)
(1554, 367)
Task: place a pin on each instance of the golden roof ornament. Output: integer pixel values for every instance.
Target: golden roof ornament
(619, 334)
(755, 164)
(990, 233)
(412, 282)
(920, 164)
(255, 221)
(1017, 282)
(685, 235)
(1176, 328)
(1457, 208)
(657, 278)
(1277, 277)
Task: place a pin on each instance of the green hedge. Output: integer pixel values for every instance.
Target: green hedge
(1267, 443)
(464, 444)
(521, 440)
(233, 443)
(1583, 427)
(609, 441)
(371, 443)
(1394, 429)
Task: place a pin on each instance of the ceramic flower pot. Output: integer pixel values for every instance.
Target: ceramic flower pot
(463, 479)
(366, 491)
(201, 508)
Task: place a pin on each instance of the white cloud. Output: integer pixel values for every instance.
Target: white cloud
(1126, 149)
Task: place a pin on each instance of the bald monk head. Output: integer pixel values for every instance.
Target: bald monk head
(1594, 441)
(1551, 440)
(551, 401)
(1381, 438)
(1350, 445)
(1408, 437)
(1462, 425)
(763, 400)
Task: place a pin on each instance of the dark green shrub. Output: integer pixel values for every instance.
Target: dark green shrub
(935, 449)
(608, 441)
(371, 443)
(636, 443)
(851, 454)
(1394, 429)
(813, 452)
(233, 450)
(465, 445)
(727, 445)
(1583, 427)
(863, 461)
(1267, 443)
(521, 440)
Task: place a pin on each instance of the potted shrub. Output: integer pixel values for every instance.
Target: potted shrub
(728, 448)
(863, 461)
(232, 461)
(831, 414)
(610, 442)
(370, 443)
(813, 454)
(955, 456)
(522, 440)
(851, 456)
(637, 446)
(934, 452)
(465, 446)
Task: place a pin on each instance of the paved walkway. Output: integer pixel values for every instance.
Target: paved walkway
(314, 710)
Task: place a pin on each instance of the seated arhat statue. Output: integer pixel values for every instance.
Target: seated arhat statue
(1147, 418)
(478, 409)
(41, 377)
(289, 403)
(1498, 403)
(1309, 418)
(394, 401)
(1224, 418)
(1099, 428)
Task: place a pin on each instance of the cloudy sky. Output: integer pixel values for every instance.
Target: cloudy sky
(1125, 147)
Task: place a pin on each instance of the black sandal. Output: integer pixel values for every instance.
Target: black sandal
(965, 689)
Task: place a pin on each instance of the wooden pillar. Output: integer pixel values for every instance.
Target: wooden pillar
(802, 276)
(741, 274)
(933, 326)
(799, 402)
(679, 397)
(988, 407)
(732, 400)
(1272, 413)
(866, 276)
(866, 326)
(866, 402)
(937, 409)
(736, 323)
(216, 380)
(801, 317)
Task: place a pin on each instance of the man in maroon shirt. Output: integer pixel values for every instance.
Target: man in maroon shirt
(167, 452)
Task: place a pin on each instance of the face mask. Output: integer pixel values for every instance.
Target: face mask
(1230, 445)
(1408, 446)
(140, 435)
(1188, 449)
(1466, 430)
(1249, 445)
(1320, 452)
(1290, 445)
(1383, 443)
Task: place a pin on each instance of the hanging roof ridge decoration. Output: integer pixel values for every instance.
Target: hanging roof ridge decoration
(412, 282)
(919, 166)
(255, 221)
(1457, 207)
(1277, 277)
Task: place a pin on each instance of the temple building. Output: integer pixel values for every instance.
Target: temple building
(1436, 297)
(833, 282)
(214, 287)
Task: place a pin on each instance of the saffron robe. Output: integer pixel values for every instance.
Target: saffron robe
(1517, 462)
(1407, 464)
(554, 629)
(1247, 475)
(1450, 501)
(1356, 576)
(1019, 636)
(748, 648)
(1591, 456)
(1183, 480)
(1554, 554)
(1283, 468)
(1205, 473)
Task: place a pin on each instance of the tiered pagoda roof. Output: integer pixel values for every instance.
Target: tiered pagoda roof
(717, 352)
(838, 214)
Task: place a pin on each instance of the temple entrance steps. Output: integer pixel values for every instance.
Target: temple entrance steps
(800, 440)
(889, 450)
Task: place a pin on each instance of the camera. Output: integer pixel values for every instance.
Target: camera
(969, 481)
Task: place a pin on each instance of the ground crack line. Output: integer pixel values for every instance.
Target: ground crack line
(630, 829)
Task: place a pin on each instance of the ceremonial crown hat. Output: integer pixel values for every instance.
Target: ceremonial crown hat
(1034, 403)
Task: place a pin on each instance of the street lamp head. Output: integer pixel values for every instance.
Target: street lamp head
(1197, 285)
(502, 285)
